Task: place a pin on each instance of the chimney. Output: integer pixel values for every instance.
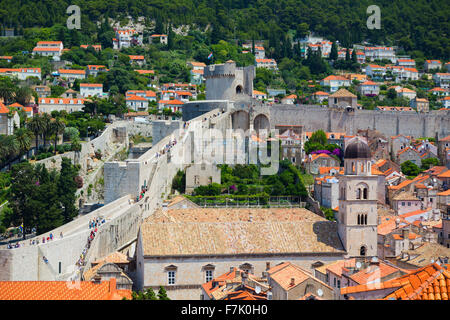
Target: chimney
(267, 266)
(112, 285)
(244, 277)
(405, 233)
(397, 223)
(292, 282)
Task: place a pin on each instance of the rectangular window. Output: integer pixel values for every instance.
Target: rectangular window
(171, 277)
(339, 283)
(208, 275)
(334, 282)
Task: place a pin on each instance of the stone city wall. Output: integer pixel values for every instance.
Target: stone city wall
(389, 123)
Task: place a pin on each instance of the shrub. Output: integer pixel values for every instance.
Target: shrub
(67, 147)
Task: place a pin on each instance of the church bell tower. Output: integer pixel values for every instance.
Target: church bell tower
(357, 218)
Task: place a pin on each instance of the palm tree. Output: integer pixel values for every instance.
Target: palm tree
(36, 126)
(23, 138)
(23, 95)
(8, 146)
(46, 126)
(58, 127)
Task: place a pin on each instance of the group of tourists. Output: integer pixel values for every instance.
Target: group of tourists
(96, 222)
(166, 148)
(36, 241)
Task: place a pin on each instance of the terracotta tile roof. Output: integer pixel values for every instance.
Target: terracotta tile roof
(373, 273)
(115, 257)
(343, 93)
(145, 71)
(411, 236)
(325, 170)
(171, 102)
(136, 57)
(337, 267)
(444, 193)
(401, 185)
(71, 71)
(405, 196)
(284, 273)
(332, 77)
(228, 231)
(135, 98)
(446, 174)
(91, 85)
(259, 92)
(61, 290)
(436, 170)
(217, 287)
(389, 225)
(429, 283)
(321, 93)
(414, 213)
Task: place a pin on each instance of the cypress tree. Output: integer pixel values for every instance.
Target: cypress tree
(334, 52)
(162, 294)
(67, 188)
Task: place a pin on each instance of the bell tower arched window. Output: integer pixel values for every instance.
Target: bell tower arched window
(362, 251)
(365, 193)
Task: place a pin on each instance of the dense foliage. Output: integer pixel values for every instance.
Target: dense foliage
(246, 180)
(419, 26)
(41, 198)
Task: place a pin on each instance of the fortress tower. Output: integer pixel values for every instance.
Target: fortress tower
(357, 219)
(228, 82)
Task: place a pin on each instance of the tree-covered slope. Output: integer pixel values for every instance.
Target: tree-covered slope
(421, 25)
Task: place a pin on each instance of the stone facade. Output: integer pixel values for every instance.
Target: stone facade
(201, 175)
(227, 82)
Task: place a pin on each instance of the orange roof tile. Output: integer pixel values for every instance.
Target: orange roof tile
(61, 290)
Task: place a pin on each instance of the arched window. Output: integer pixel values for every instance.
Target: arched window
(359, 219)
(239, 89)
(362, 251)
(365, 193)
(353, 167)
(365, 219)
(358, 193)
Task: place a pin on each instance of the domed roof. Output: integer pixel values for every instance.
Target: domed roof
(357, 148)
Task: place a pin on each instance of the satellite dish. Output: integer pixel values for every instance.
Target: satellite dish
(258, 289)
(358, 265)
(319, 292)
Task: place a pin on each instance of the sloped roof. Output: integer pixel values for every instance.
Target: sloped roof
(228, 231)
(342, 93)
(61, 290)
(405, 196)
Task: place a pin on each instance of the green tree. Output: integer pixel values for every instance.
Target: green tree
(334, 52)
(162, 294)
(23, 138)
(410, 169)
(23, 184)
(430, 162)
(67, 188)
(57, 128)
